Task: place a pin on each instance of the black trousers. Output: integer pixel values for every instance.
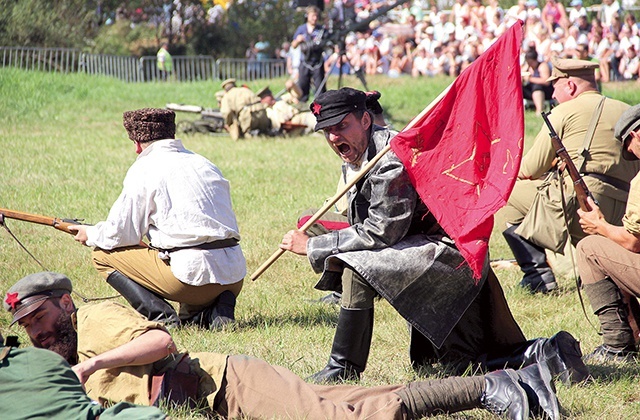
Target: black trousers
(309, 73)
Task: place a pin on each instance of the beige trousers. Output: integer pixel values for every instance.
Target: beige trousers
(143, 266)
(600, 257)
(255, 389)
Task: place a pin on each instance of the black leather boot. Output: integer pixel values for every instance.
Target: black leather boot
(504, 396)
(532, 259)
(617, 335)
(350, 349)
(219, 314)
(561, 354)
(537, 383)
(143, 300)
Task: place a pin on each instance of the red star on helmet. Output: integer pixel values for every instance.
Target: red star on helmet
(316, 108)
(12, 300)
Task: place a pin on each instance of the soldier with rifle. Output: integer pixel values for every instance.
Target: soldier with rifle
(584, 120)
(609, 259)
(180, 202)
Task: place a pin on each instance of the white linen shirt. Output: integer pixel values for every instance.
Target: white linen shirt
(176, 198)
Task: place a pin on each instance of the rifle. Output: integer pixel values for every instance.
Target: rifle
(580, 187)
(582, 192)
(60, 224)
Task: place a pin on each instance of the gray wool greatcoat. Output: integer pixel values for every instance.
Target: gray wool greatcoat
(397, 246)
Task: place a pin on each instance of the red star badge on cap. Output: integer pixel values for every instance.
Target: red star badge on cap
(12, 300)
(316, 108)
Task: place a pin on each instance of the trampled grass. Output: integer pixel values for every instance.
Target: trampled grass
(64, 153)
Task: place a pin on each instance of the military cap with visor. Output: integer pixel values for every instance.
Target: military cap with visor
(264, 92)
(332, 106)
(568, 67)
(227, 81)
(629, 122)
(32, 291)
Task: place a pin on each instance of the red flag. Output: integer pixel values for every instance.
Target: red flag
(464, 155)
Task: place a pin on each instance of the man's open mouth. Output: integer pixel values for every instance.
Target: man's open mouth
(343, 148)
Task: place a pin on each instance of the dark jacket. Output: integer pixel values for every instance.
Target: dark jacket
(396, 245)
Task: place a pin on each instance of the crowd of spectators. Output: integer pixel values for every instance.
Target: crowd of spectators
(424, 38)
(425, 41)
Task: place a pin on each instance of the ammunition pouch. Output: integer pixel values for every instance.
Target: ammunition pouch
(177, 384)
(552, 212)
(254, 117)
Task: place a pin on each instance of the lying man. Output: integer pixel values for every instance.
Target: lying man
(120, 356)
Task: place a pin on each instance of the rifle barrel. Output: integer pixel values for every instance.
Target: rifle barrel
(60, 224)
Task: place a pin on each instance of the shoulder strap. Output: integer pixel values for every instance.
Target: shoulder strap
(590, 132)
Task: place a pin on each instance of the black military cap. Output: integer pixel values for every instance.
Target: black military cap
(264, 92)
(332, 106)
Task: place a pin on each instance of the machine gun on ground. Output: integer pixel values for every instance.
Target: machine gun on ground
(210, 122)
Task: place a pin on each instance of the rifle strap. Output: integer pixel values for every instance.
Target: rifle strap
(573, 261)
(3, 222)
(589, 135)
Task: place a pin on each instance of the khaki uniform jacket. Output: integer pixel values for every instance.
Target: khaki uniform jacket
(631, 219)
(105, 326)
(571, 121)
(282, 112)
(242, 111)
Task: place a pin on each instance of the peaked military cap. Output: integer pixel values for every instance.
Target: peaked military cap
(568, 67)
(264, 92)
(226, 82)
(332, 106)
(30, 292)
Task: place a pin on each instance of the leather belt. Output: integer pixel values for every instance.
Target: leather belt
(222, 243)
(624, 186)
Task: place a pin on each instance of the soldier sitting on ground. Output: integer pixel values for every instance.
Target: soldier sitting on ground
(609, 259)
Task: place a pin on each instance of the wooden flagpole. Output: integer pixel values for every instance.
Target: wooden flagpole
(329, 204)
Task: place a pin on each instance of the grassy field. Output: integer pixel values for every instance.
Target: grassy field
(64, 153)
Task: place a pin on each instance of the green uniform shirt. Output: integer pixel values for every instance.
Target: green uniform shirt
(39, 384)
(165, 61)
(631, 219)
